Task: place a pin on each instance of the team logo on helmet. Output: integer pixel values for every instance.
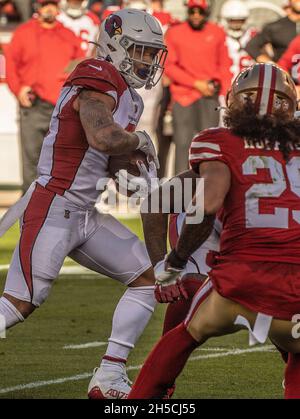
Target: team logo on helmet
(113, 25)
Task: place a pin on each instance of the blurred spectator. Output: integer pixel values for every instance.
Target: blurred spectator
(273, 40)
(8, 12)
(165, 18)
(111, 9)
(290, 61)
(234, 18)
(24, 8)
(97, 7)
(162, 106)
(75, 16)
(36, 59)
(198, 65)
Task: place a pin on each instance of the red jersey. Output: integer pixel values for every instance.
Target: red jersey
(261, 219)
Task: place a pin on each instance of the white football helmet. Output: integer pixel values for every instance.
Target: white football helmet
(123, 37)
(234, 11)
(74, 9)
(136, 4)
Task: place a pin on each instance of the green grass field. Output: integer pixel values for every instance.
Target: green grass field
(34, 363)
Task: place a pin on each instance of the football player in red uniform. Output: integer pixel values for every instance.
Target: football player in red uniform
(251, 170)
(95, 118)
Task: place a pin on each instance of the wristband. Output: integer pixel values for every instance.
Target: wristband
(175, 261)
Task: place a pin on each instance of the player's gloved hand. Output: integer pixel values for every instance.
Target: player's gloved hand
(149, 175)
(146, 146)
(129, 182)
(169, 287)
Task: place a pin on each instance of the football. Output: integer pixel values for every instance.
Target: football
(127, 162)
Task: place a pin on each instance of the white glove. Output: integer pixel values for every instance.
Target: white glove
(141, 185)
(150, 175)
(168, 286)
(166, 275)
(146, 146)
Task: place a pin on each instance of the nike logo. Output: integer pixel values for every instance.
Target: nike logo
(96, 68)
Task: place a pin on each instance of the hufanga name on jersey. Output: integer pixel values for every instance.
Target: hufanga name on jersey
(261, 145)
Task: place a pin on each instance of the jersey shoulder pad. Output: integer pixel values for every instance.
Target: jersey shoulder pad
(100, 75)
(213, 144)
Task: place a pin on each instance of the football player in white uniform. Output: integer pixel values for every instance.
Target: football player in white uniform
(95, 118)
(234, 18)
(75, 16)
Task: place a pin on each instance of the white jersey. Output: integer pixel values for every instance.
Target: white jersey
(236, 48)
(85, 27)
(68, 166)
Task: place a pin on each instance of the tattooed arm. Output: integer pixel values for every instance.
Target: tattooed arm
(103, 134)
(155, 224)
(217, 180)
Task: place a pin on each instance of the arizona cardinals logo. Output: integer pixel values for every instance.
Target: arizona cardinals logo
(113, 25)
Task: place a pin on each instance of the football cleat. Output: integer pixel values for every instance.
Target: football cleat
(109, 382)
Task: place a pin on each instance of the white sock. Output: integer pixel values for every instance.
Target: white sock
(9, 315)
(131, 316)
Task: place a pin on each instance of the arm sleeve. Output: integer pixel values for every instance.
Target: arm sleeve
(13, 53)
(173, 69)
(254, 47)
(208, 146)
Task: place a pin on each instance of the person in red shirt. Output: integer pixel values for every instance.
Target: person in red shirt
(198, 65)
(36, 60)
(251, 173)
(290, 61)
(165, 18)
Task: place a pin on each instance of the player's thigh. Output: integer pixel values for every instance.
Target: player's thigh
(39, 256)
(285, 334)
(215, 316)
(113, 251)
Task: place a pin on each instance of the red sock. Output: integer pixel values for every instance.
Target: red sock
(292, 377)
(177, 312)
(164, 365)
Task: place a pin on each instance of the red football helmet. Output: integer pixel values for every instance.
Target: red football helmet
(197, 3)
(269, 87)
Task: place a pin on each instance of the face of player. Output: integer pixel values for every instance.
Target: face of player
(196, 17)
(236, 24)
(48, 12)
(295, 6)
(143, 59)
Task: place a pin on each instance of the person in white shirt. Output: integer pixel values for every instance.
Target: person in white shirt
(84, 23)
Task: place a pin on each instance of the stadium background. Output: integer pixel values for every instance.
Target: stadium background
(53, 355)
(9, 156)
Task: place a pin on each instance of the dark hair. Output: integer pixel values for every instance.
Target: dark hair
(269, 130)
